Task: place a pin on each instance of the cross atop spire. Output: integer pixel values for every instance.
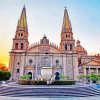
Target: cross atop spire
(66, 26)
(65, 7)
(22, 22)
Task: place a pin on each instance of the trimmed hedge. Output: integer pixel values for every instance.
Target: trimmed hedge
(63, 83)
(33, 82)
(41, 83)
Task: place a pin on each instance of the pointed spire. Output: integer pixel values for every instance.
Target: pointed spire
(66, 27)
(22, 22)
(18, 24)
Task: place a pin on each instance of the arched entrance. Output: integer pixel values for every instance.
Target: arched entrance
(30, 73)
(57, 77)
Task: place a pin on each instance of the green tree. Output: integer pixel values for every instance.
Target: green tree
(1, 75)
(4, 75)
(91, 77)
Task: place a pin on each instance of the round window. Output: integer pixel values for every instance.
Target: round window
(30, 61)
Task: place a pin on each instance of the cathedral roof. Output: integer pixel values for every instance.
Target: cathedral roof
(92, 63)
(44, 46)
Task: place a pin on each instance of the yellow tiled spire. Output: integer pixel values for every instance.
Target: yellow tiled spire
(66, 22)
(22, 22)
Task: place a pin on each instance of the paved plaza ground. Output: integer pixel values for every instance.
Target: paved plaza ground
(47, 98)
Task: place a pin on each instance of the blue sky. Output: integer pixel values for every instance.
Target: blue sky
(46, 17)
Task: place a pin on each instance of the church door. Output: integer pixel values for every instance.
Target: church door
(57, 77)
(30, 73)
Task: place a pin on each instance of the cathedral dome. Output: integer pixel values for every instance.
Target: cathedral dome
(79, 48)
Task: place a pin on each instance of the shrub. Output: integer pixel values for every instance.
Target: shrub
(41, 83)
(25, 77)
(31, 82)
(63, 83)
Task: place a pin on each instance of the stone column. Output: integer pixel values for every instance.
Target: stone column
(36, 70)
(22, 64)
(52, 64)
(84, 70)
(35, 67)
(96, 70)
(75, 67)
(65, 64)
(85, 79)
(89, 70)
(51, 61)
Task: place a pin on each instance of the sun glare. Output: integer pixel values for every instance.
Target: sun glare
(4, 60)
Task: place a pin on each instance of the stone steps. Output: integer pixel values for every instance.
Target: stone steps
(48, 91)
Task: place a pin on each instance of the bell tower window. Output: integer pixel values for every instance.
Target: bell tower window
(21, 34)
(22, 46)
(18, 34)
(66, 35)
(16, 45)
(65, 46)
(71, 47)
(69, 35)
(57, 62)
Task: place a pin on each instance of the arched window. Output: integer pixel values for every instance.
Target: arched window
(18, 34)
(71, 47)
(30, 61)
(65, 46)
(66, 35)
(16, 45)
(69, 35)
(17, 70)
(22, 46)
(21, 34)
(57, 62)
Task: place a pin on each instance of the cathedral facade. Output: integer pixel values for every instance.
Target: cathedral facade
(44, 57)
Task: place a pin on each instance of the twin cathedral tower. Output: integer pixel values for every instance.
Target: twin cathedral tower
(20, 41)
(44, 57)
